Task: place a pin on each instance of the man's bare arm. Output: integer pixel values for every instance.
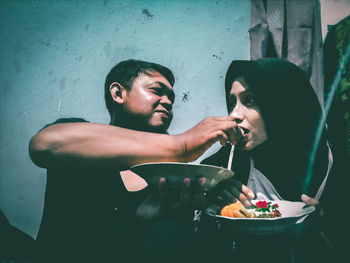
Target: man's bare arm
(99, 146)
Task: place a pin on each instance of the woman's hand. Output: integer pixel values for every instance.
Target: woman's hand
(319, 220)
(312, 201)
(309, 200)
(230, 191)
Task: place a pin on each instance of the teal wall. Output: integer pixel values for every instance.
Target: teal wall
(54, 56)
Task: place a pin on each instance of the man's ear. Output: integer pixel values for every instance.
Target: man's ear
(117, 92)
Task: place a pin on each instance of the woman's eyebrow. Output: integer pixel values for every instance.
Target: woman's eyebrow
(247, 93)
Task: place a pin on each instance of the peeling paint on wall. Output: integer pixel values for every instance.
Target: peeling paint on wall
(221, 53)
(185, 96)
(146, 12)
(59, 105)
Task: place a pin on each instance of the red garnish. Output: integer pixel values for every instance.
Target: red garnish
(266, 209)
(262, 204)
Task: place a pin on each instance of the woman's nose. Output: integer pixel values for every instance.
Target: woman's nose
(237, 114)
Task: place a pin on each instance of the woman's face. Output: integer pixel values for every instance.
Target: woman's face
(246, 114)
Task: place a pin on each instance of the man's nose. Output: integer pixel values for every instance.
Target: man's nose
(166, 102)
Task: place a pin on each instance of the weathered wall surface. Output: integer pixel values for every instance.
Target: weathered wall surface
(54, 56)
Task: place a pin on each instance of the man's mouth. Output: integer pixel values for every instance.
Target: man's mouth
(163, 113)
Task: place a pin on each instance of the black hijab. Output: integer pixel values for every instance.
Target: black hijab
(291, 113)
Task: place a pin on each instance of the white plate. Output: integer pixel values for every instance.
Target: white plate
(175, 173)
(291, 213)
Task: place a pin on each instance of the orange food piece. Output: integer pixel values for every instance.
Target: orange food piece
(235, 210)
(224, 211)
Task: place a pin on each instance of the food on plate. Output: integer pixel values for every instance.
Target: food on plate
(236, 210)
(258, 209)
(265, 209)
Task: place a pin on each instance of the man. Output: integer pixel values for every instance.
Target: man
(91, 198)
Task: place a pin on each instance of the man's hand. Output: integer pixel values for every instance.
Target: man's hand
(173, 202)
(209, 131)
(230, 191)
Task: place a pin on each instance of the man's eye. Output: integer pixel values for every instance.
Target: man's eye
(155, 90)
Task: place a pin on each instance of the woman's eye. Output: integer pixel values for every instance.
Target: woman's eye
(232, 104)
(249, 102)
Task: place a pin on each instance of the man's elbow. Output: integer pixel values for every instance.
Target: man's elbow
(40, 150)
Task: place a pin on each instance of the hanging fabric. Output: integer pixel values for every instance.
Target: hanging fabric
(291, 30)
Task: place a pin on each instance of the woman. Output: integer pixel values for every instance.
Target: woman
(278, 113)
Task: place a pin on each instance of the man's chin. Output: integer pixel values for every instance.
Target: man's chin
(159, 127)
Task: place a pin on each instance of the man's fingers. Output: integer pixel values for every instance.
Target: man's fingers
(199, 201)
(163, 192)
(199, 185)
(235, 134)
(222, 138)
(185, 192)
(226, 130)
(162, 186)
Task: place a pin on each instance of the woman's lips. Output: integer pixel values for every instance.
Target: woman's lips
(244, 138)
(245, 131)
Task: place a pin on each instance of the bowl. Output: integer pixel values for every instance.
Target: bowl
(292, 214)
(175, 172)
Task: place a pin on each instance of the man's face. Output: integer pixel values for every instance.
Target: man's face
(148, 104)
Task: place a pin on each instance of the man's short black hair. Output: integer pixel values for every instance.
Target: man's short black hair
(127, 71)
